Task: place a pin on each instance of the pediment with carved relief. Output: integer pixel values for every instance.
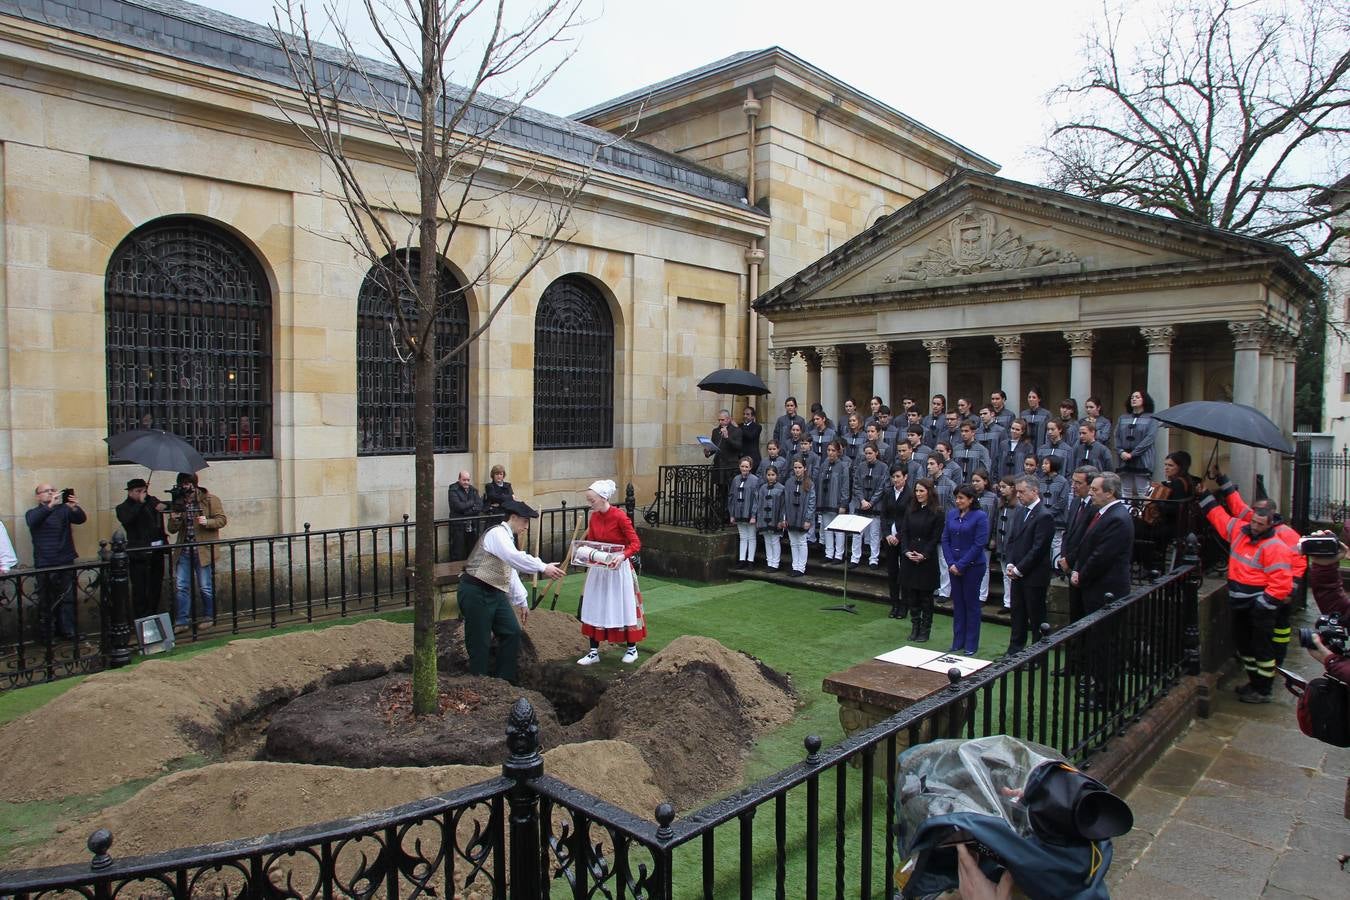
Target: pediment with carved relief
(975, 242)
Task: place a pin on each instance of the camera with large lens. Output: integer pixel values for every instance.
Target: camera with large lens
(1329, 628)
(180, 495)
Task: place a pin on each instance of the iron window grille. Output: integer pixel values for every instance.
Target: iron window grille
(573, 367)
(385, 401)
(189, 339)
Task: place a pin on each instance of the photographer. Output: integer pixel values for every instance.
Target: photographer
(197, 516)
(1324, 580)
(142, 515)
(49, 523)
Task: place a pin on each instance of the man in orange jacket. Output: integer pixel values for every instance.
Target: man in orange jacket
(1228, 493)
(1260, 583)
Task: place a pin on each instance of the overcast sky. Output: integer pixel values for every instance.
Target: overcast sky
(976, 70)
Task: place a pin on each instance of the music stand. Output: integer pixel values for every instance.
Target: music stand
(854, 525)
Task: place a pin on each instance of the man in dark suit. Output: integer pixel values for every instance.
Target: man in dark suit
(1028, 561)
(1077, 516)
(1101, 568)
(892, 504)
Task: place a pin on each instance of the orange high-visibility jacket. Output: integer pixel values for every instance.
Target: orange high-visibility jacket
(1239, 508)
(1255, 565)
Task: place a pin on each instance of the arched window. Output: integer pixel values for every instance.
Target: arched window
(189, 338)
(384, 371)
(573, 367)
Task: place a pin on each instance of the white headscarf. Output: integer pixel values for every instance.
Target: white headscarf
(605, 488)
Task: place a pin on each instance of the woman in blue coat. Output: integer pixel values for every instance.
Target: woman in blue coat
(963, 542)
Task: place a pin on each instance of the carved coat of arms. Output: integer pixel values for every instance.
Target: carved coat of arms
(973, 245)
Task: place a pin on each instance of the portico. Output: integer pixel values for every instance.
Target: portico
(986, 284)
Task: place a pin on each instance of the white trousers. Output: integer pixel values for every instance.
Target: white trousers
(871, 535)
(1007, 589)
(833, 540)
(797, 543)
(984, 582)
(747, 549)
(773, 548)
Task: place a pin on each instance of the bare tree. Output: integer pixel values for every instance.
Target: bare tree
(1229, 113)
(455, 75)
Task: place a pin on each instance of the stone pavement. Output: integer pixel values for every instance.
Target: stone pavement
(1243, 805)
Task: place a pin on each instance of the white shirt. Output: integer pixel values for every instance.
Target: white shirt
(500, 541)
(8, 559)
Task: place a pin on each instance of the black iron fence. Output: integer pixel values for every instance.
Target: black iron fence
(56, 622)
(829, 819)
(690, 497)
(1321, 493)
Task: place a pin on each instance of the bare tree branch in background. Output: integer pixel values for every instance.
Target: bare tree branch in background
(1233, 114)
(455, 74)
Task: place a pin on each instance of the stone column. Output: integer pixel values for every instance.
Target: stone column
(1080, 364)
(1247, 337)
(1010, 373)
(939, 350)
(1265, 401)
(881, 371)
(829, 380)
(1159, 340)
(812, 384)
(782, 375)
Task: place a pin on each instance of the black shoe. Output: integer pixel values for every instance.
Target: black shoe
(793, 573)
(1244, 689)
(1255, 696)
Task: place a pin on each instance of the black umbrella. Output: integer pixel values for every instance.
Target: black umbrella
(738, 382)
(157, 450)
(1233, 422)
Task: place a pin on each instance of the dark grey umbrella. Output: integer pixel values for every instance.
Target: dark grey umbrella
(1236, 423)
(157, 450)
(734, 381)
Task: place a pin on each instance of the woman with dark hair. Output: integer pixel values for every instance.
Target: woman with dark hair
(799, 513)
(1013, 449)
(1174, 493)
(1007, 503)
(919, 538)
(963, 539)
(1035, 416)
(1135, 433)
(1068, 420)
(1092, 408)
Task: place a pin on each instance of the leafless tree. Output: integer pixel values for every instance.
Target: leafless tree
(454, 75)
(1228, 113)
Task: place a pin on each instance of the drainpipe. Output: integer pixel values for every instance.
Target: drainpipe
(754, 256)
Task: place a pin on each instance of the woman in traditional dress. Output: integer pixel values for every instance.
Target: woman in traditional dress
(611, 608)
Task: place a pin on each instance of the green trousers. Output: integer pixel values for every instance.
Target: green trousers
(487, 612)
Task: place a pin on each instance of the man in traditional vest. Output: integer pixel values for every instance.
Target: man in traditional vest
(491, 585)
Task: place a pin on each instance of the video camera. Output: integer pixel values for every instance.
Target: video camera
(1329, 628)
(181, 495)
(1319, 545)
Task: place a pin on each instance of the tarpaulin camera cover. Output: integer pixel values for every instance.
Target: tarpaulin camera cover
(1037, 816)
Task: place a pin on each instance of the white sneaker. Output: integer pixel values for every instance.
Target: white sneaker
(589, 659)
(630, 656)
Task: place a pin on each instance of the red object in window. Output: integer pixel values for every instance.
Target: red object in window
(249, 443)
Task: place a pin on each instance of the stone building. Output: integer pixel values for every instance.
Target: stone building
(1336, 387)
(170, 257)
(986, 283)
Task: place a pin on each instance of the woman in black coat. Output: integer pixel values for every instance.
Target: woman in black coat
(919, 537)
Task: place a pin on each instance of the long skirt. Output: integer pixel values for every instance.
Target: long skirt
(611, 606)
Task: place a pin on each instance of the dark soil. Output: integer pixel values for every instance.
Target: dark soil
(370, 724)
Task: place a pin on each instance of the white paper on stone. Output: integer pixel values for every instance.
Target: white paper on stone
(932, 660)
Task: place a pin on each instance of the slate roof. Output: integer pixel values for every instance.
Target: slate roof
(211, 38)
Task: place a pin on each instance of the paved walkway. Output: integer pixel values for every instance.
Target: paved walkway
(1243, 805)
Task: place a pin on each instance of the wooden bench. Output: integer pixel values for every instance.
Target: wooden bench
(446, 576)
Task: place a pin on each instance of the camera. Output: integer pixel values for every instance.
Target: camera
(182, 494)
(1319, 545)
(1329, 629)
(66, 494)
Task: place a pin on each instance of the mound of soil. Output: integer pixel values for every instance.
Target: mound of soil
(694, 710)
(370, 724)
(235, 800)
(122, 725)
